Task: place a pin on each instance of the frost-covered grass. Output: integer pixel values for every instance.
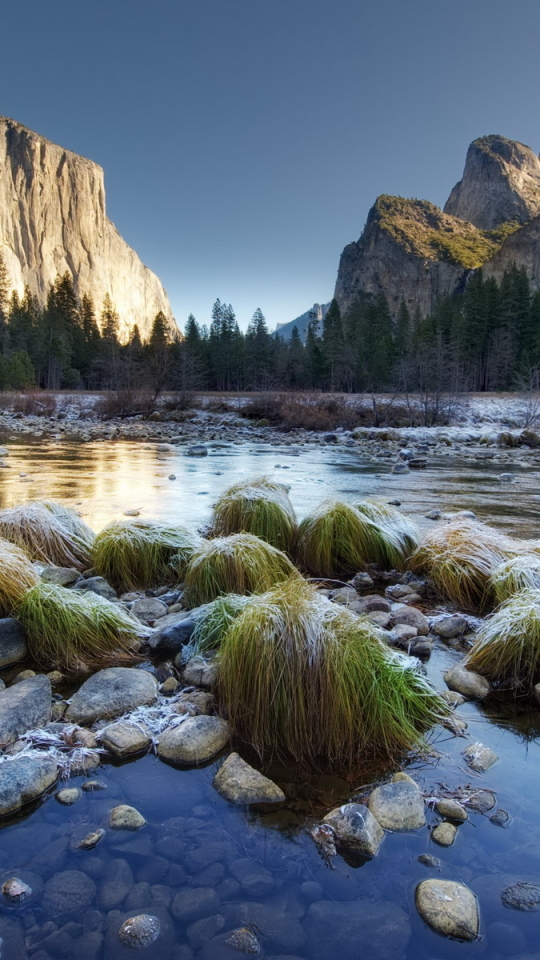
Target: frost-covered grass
(17, 575)
(218, 617)
(337, 540)
(65, 628)
(515, 575)
(304, 678)
(401, 533)
(507, 646)
(140, 553)
(48, 532)
(239, 564)
(261, 507)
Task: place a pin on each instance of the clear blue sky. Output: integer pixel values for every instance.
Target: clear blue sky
(244, 141)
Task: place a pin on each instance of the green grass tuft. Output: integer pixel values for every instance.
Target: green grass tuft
(515, 575)
(65, 629)
(239, 564)
(218, 617)
(306, 679)
(260, 507)
(401, 534)
(338, 540)
(140, 554)
(17, 575)
(507, 646)
(49, 533)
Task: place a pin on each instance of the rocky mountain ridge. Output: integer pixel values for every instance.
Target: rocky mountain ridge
(53, 218)
(411, 250)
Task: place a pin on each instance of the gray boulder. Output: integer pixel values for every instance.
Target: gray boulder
(13, 647)
(170, 637)
(115, 885)
(195, 740)
(237, 782)
(198, 450)
(467, 682)
(449, 627)
(398, 806)
(201, 672)
(96, 585)
(68, 894)
(23, 779)
(110, 693)
(23, 707)
(61, 576)
(412, 617)
(448, 908)
(356, 827)
(344, 930)
(125, 739)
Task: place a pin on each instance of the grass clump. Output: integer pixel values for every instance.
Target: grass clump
(507, 646)
(338, 540)
(515, 575)
(17, 575)
(260, 507)
(65, 629)
(303, 678)
(401, 533)
(460, 558)
(48, 532)
(138, 554)
(239, 564)
(218, 617)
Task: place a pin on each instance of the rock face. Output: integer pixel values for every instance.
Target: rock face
(53, 219)
(24, 706)
(521, 248)
(501, 182)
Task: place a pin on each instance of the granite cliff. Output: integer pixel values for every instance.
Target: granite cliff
(53, 219)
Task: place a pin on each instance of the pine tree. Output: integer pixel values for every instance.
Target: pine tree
(260, 352)
(110, 346)
(333, 347)
(159, 355)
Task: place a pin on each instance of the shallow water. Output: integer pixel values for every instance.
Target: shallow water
(194, 840)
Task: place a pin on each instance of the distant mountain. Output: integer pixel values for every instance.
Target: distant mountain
(284, 330)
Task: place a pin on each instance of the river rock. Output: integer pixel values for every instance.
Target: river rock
(198, 450)
(479, 757)
(201, 672)
(344, 930)
(172, 635)
(23, 707)
(194, 903)
(370, 604)
(61, 576)
(90, 840)
(13, 647)
(201, 931)
(148, 935)
(449, 908)
(467, 682)
(22, 887)
(139, 931)
(111, 692)
(444, 833)
(115, 885)
(237, 782)
(68, 893)
(254, 879)
(125, 817)
(355, 826)
(398, 806)
(412, 618)
(451, 809)
(148, 609)
(482, 800)
(96, 585)
(449, 627)
(522, 896)
(124, 739)
(12, 939)
(283, 933)
(69, 795)
(195, 740)
(24, 779)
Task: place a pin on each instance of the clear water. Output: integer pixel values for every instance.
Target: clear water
(194, 839)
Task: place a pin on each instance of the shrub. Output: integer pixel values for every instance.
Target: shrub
(35, 403)
(260, 507)
(507, 646)
(239, 564)
(303, 678)
(65, 629)
(514, 576)
(17, 575)
(338, 540)
(48, 532)
(140, 553)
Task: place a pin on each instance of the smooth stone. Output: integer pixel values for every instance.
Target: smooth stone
(412, 618)
(537, 692)
(69, 795)
(151, 937)
(479, 757)
(482, 800)
(201, 672)
(371, 603)
(97, 585)
(500, 818)
(68, 893)
(91, 840)
(13, 646)
(282, 930)
(195, 740)
(12, 939)
(24, 779)
(254, 879)
(237, 782)
(428, 861)
(451, 809)
(16, 890)
(172, 635)
(199, 932)
(92, 785)
(194, 903)
(346, 931)
(169, 687)
(198, 450)
(61, 576)
(522, 896)
(139, 931)
(139, 897)
(449, 627)
(355, 826)
(444, 833)
(23, 675)
(124, 739)
(115, 885)
(467, 682)
(124, 817)
(449, 908)
(401, 635)
(149, 608)
(398, 806)
(25, 706)
(112, 692)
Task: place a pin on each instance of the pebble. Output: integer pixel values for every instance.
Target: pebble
(451, 809)
(444, 833)
(69, 795)
(467, 682)
(140, 931)
(479, 757)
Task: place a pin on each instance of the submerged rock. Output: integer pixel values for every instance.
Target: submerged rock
(479, 757)
(344, 930)
(482, 800)
(68, 893)
(148, 935)
(467, 682)
(451, 809)
(237, 782)
(112, 692)
(139, 931)
(124, 739)
(13, 647)
(356, 827)
(522, 896)
(125, 817)
(444, 833)
(449, 908)
(428, 861)
(398, 806)
(195, 740)
(23, 707)
(16, 890)
(24, 779)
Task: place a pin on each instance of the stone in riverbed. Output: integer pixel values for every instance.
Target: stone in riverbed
(23, 707)
(412, 618)
(479, 757)
(68, 893)
(522, 896)
(61, 576)
(69, 795)
(448, 908)
(198, 450)
(125, 817)
(449, 627)
(96, 585)
(149, 935)
(194, 903)
(254, 879)
(356, 827)
(111, 692)
(13, 647)
(201, 672)
(237, 782)
(195, 740)
(125, 739)
(24, 779)
(139, 931)
(338, 930)
(12, 939)
(115, 885)
(148, 609)
(467, 682)
(398, 806)
(444, 833)
(451, 809)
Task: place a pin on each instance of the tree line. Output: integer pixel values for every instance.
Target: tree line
(484, 339)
